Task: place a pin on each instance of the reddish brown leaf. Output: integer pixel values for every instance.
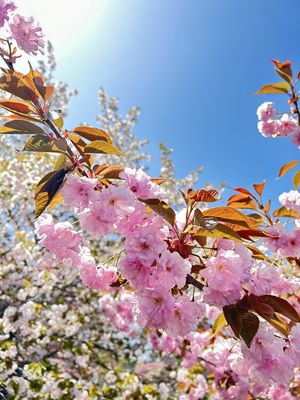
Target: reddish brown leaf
(281, 306)
(259, 187)
(92, 134)
(17, 106)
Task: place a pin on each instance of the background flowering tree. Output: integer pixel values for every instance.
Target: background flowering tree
(195, 278)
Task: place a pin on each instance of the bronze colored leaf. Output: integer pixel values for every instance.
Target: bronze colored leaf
(281, 306)
(42, 143)
(231, 215)
(47, 188)
(158, 181)
(278, 324)
(161, 208)
(19, 127)
(111, 172)
(17, 106)
(250, 324)
(284, 212)
(284, 70)
(219, 231)
(256, 253)
(99, 146)
(287, 167)
(233, 316)
(205, 196)
(274, 88)
(259, 187)
(92, 134)
(18, 85)
(296, 179)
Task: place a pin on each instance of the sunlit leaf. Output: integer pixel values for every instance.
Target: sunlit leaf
(17, 106)
(259, 187)
(284, 212)
(281, 306)
(99, 146)
(61, 162)
(57, 118)
(93, 134)
(296, 179)
(219, 323)
(231, 215)
(284, 70)
(42, 143)
(20, 127)
(256, 253)
(203, 195)
(162, 209)
(278, 324)
(47, 188)
(111, 172)
(219, 231)
(274, 88)
(287, 167)
(57, 199)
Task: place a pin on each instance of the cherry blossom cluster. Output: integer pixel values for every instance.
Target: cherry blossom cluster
(25, 32)
(270, 125)
(149, 266)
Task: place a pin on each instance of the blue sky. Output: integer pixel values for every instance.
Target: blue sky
(192, 66)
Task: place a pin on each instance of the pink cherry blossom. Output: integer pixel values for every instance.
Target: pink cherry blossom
(225, 274)
(136, 270)
(171, 270)
(146, 241)
(59, 238)
(184, 317)
(266, 111)
(296, 137)
(6, 8)
(154, 307)
(27, 34)
(140, 184)
(79, 191)
(268, 128)
(268, 356)
(291, 200)
(118, 200)
(97, 277)
(97, 220)
(286, 125)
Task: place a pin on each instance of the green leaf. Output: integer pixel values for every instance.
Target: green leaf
(219, 323)
(161, 208)
(287, 167)
(99, 146)
(47, 188)
(274, 88)
(296, 179)
(42, 143)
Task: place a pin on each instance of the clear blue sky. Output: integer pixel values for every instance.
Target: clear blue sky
(193, 67)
